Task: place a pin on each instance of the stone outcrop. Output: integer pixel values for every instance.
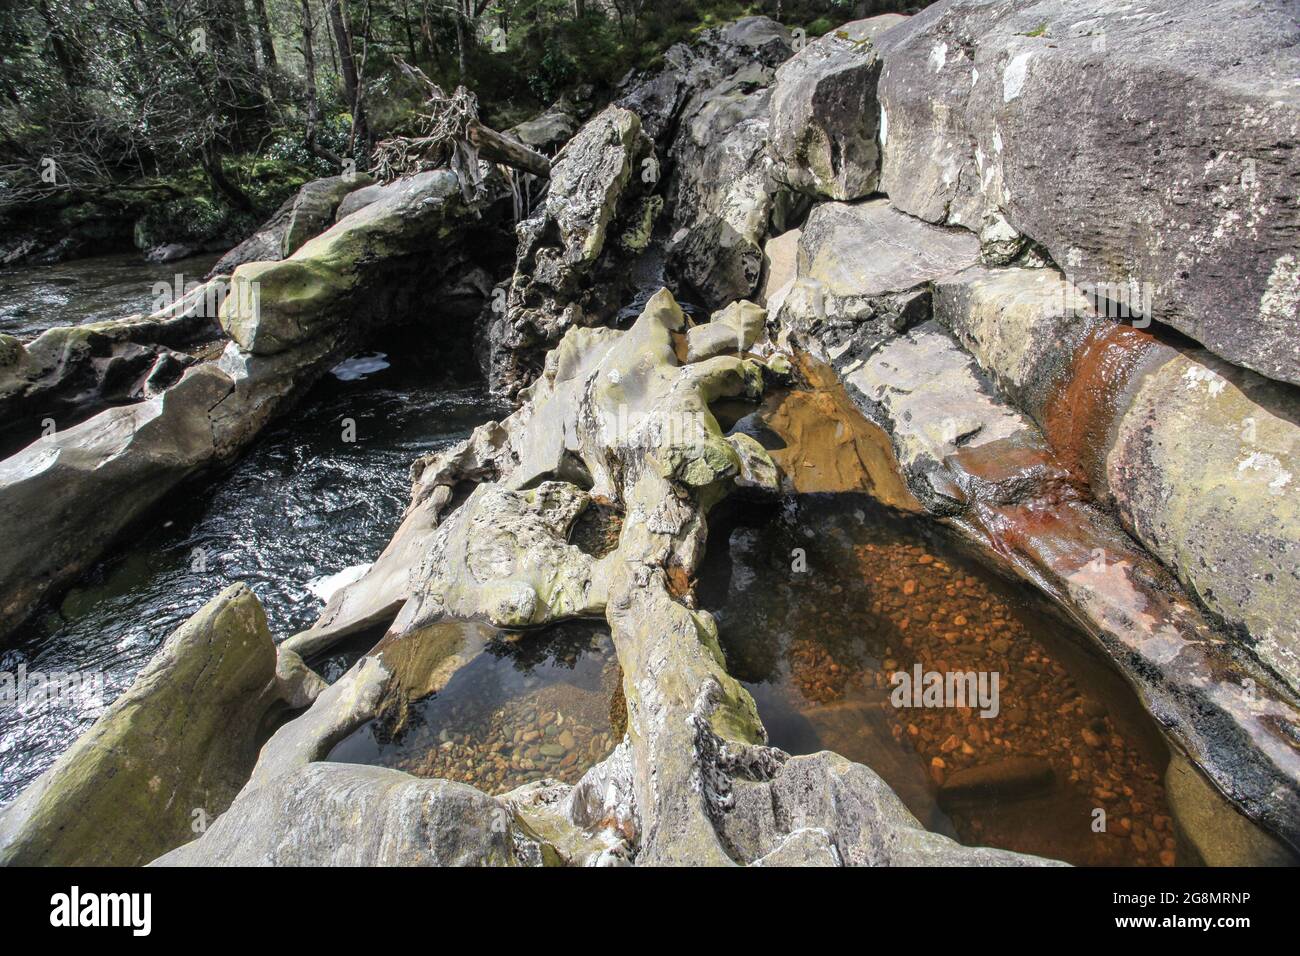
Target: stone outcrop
(343, 815)
(723, 193)
(1146, 150)
(307, 213)
(594, 179)
(984, 466)
(1199, 459)
(659, 98)
(1146, 486)
(342, 280)
(168, 756)
(865, 271)
(689, 784)
(68, 373)
(825, 120)
(65, 497)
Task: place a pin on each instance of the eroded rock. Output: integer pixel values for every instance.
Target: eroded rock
(825, 120)
(174, 748)
(1017, 121)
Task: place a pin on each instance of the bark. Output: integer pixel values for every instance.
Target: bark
(264, 35)
(348, 67)
(500, 149)
(211, 158)
(313, 100)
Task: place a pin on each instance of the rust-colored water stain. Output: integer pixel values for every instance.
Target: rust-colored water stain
(1078, 416)
(830, 446)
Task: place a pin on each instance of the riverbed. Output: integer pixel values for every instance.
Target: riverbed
(310, 504)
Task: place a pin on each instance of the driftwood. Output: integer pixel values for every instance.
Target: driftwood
(451, 136)
(510, 152)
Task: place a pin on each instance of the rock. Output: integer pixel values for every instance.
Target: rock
(780, 267)
(928, 382)
(504, 556)
(810, 846)
(174, 748)
(825, 121)
(1018, 120)
(300, 217)
(660, 98)
(733, 329)
(970, 456)
(548, 130)
(64, 497)
(331, 284)
(68, 373)
(171, 251)
(346, 815)
(757, 470)
(299, 685)
(867, 268)
(1220, 836)
(596, 175)
(1204, 471)
(1196, 456)
(723, 189)
(860, 819)
(1012, 778)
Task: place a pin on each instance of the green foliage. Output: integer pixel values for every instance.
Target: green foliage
(121, 92)
(192, 219)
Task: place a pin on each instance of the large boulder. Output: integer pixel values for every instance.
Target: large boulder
(723, 192)
(168, 756)
(64, 497)
(824, 115)
(824, 810)
(1149, 151)
(659, 97)
(327, 814)
(866, 270)
(594, 183)
(1199, 458)
(349, 277)
(68, 373)
(303, 215)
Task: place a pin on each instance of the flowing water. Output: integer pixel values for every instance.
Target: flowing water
(302, 506)
(824, 599)
(36, 298)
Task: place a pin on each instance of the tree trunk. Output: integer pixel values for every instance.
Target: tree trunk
(313, 101)
(264, 35)
(211, 159)
(348, 68)
(493, 146)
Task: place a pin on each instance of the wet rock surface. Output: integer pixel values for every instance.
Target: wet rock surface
(175, 748)
(1054, 441)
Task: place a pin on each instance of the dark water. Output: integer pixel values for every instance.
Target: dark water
(526, 707)
(301, 505)
(36, 298)
(879, 594)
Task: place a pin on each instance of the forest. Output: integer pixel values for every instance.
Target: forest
(196, 118)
